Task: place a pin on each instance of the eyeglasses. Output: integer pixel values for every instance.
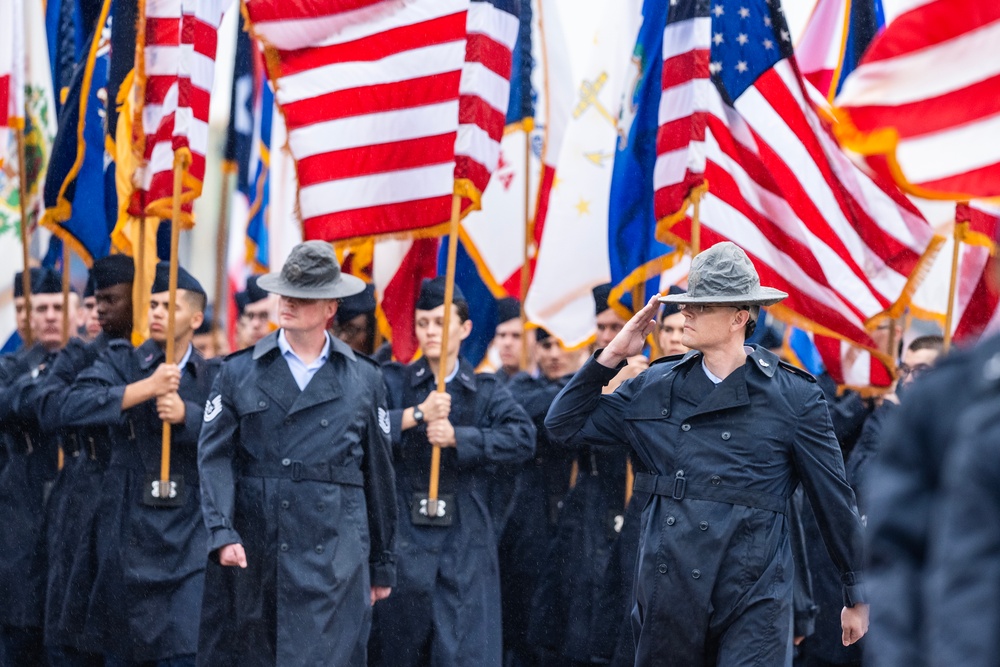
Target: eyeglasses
(915, 371)
(702, 308)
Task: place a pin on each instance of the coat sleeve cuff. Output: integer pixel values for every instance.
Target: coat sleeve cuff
(805, 621)
(595, 371)
(383, 570)
(855, 592)
(220, 537)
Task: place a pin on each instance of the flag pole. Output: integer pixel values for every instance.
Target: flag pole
(449, 296)
(221, 253)
(696, 221)
(25, 252)
(528, 238)
(958, 234)
(180, 164)
(65, 292)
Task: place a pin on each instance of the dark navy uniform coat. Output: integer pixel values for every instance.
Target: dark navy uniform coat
(903, 487)
(74, 500)
(715, 575)
(150, 560)
(303, 480)
(29, 469)
(445, 609)
(962, 594)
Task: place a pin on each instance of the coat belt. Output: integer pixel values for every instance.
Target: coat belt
(679, 488)
(299, 471)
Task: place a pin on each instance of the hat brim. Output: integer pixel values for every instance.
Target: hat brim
(346, 285)
(762, 296)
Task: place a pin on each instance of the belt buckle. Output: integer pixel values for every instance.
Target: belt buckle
(296, 471)
(680, 485)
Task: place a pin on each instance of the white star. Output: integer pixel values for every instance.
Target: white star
(767, 21)
(768, 44)
(717, 38)
(744, 13)
(785, 36)
(714, 67)
(742, 39)
(741, 66)
(718, 10)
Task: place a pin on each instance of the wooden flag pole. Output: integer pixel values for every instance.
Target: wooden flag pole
(696, 222)
(25, 241)
(180, 165)
(958, 235)
(65, 292)
(221, 254)
(629, 480)
(449, 296)
(528, 238)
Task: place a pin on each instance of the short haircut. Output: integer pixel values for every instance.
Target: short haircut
(462, 308)
(196, 300)
(751, 324)
(933, 342)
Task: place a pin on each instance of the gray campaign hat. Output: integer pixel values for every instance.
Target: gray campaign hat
(724, 274)
(311, 272)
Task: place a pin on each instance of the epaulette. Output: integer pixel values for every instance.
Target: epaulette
(120, 344)
(672, 357)
(798, 371)
(362, 355)
(233, 355)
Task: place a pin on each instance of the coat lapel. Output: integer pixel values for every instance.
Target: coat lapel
(278, 383)
(323, 387)
(730, 393)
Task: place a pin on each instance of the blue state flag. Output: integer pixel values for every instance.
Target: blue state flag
(482, 303)
(636, 257)
(75, 191)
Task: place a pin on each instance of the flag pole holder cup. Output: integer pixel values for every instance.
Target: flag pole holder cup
(425, 512)
(156, 493)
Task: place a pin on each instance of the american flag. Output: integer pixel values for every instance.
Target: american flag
(922, 105)
(178, 66)
(977, 306)
(385, 114)
(735, 118)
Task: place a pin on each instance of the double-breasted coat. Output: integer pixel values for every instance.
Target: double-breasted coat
(303, 479)
(445, 609)
(25, 475)
(150, 560)
(714, 575)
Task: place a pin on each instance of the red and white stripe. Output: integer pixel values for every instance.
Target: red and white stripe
(372, 115)
(484, 91)
(818, 50)
(851, 366)
(932, 79)
(842, 245)
(977, 305)
(179, 56)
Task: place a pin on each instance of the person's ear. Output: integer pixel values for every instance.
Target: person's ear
(466, 329)
(196, 320)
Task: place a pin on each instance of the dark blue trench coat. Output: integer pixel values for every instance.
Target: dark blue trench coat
(303, 479)
(714, 576)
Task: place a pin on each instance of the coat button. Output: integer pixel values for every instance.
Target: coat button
(262, 404)
(324, 423)
(320, 506)
(671, 520)
(703, 525)
(319, 548)
(286, 462)
(716, 480)
(726, 435)
(284, 504)
(695, 574)
(685, 427)
(662, 569)
(284, 547)
(664, 412)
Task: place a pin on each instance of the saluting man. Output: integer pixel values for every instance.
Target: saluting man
(729, 432)
(298, 489)
(445, 610)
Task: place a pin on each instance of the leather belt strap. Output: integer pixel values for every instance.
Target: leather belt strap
(298, 471)
(679, 488)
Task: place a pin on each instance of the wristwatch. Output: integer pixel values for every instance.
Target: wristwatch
(418, 414)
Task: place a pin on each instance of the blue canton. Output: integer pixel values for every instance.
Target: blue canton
(748, 38)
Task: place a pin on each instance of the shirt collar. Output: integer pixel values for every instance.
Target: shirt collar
(286, 349)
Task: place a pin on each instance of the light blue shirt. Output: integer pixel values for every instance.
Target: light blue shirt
(185, 359)
(301, 371)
